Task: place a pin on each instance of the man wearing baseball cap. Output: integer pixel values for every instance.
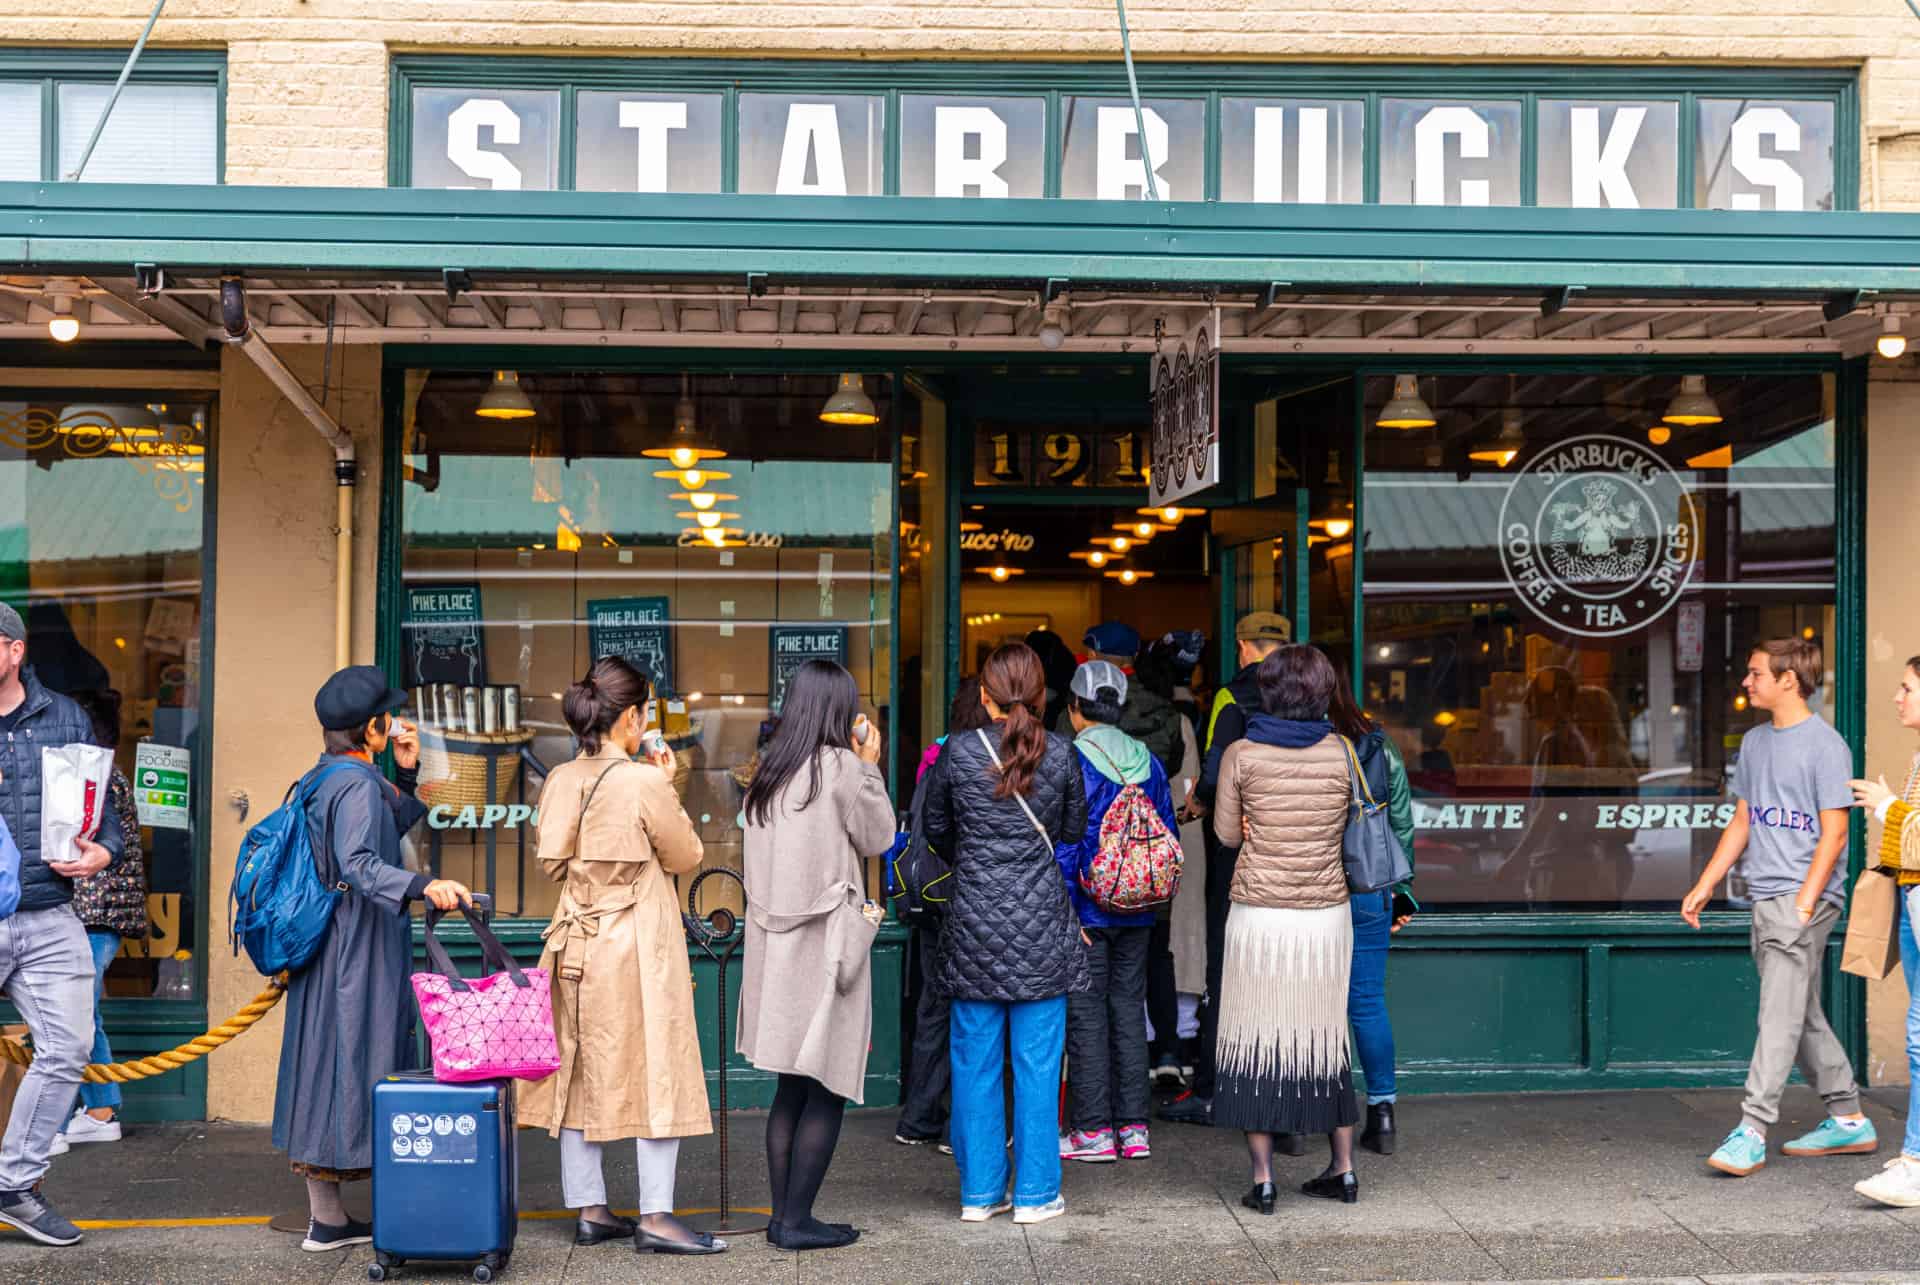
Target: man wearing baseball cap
(46, 965)
(1258, 635)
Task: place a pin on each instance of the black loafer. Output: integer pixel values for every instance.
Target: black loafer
(1343, 1187)
(646, 1242)
(1260, 1199)
(588, 1232)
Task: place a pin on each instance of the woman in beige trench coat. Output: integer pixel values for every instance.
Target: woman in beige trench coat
(613, 831)
(816, 806)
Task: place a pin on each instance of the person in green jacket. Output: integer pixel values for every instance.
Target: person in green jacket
(1376, 917)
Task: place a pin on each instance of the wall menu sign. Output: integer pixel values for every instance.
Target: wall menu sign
(789, 647)
(1184, 387)
(1695, 147)
(639, 631)
(441, 635)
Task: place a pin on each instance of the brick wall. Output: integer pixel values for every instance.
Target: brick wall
(307, 101)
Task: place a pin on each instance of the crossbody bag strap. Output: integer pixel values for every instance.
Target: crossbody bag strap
(581, 819)
(1017, 798)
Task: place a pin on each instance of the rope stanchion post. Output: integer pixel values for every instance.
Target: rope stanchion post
(703, 932)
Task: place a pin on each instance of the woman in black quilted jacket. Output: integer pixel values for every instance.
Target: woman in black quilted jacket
(1011, 946)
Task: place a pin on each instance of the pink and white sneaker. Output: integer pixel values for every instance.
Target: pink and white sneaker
(1094, 1147)
(1133, 1142)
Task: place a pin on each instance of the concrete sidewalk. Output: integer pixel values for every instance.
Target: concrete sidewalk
(1547, 1187)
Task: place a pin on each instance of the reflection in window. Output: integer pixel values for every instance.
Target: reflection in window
(1754, 154)
(536, 544)
(102, 522)
(1101, 158)
(812, 145)
(1298, 150)
(992, 147)
(1555, 643)
(632, 142)
(504, 139)
(1435, 152)
(1614, 154)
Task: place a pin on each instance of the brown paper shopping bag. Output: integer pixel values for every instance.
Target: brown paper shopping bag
(1872, 949)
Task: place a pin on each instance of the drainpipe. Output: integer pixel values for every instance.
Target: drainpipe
(240, 333)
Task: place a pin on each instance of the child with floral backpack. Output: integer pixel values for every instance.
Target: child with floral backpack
(1106, 1024)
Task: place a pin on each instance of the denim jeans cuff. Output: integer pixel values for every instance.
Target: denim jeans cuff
(1384, 1099)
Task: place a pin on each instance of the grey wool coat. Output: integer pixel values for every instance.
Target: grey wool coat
(350, 1010)
(806, 999)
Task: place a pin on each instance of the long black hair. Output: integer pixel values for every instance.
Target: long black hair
(821, 703)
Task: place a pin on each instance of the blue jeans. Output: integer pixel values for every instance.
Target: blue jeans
(1367, 993)
(980, 1034)
(1910, 964)
(105, 944)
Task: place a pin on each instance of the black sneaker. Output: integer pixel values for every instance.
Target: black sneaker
(30, 1213)
(1188, 1108)
(322, 1237)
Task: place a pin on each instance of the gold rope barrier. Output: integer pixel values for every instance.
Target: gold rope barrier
(142, 1068)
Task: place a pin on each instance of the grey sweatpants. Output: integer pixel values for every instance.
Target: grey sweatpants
(1793, 1027)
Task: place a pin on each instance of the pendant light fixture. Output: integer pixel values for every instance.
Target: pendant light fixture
(63, 325)
(1508, 445)
(505, 399)
(1692, 406)
(701, 500)
(1407, 409)
(1334, 516)
(685, 447)
(693, 478)
(1094, 557)
(1893, 338)
(707, 519)
(850, 403)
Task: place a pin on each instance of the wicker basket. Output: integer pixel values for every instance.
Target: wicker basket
(453, 766)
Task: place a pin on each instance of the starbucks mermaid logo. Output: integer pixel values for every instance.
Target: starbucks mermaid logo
(1596, 540)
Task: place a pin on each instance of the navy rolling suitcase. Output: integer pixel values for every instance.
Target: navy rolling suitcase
(446, 1173)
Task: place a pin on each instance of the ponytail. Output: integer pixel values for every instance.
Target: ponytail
(1014, 680)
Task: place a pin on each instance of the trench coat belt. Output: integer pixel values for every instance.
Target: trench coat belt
(576, 925)
(830, 900)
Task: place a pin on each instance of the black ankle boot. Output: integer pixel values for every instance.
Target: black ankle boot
(1379, 1135)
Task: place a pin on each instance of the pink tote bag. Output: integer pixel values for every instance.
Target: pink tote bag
(494, 1027)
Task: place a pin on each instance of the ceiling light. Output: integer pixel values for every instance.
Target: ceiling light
(1129, 576)
(1692, 405)
(1659, 435)
(1002, 573)
(706, 519)
(685, 446)
(63, 326)
(850, 404)
(1508, 445)
(1170, 514)
(1092, 557)
(1143, 529)
(1893, 340)
(694, 478)
(504, 399)
(1339, 528)
(1120, 543)
(699, 499)
(1407, 409)
(1053, 326)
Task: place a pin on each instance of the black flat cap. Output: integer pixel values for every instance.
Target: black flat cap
(355, 697)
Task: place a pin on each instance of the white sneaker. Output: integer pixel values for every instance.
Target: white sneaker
(1898, 1184)
(59, 1147)
(84, 1128)
(981, 1213)
(1041, 1213)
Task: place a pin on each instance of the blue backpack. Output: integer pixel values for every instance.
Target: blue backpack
(279, 908)
(9, 872)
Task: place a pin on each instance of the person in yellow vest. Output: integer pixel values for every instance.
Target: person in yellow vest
(1899, 1183)
(1258, 635)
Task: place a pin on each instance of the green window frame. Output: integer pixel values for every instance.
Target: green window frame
(54, 67)
(1055, 82)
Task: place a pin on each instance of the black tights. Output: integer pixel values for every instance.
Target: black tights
(803, 1127)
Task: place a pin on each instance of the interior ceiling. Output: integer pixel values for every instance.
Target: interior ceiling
(295, 308)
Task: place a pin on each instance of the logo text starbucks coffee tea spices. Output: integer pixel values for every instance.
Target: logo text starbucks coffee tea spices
(1594, 536)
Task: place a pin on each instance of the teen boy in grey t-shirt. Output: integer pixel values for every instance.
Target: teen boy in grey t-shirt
(1788, 833)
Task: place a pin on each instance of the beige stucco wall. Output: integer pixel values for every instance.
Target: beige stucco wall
(273, 641)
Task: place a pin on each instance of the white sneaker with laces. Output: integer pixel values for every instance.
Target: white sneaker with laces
(1898, 1184)
(1040, 1213)
(84, 1128)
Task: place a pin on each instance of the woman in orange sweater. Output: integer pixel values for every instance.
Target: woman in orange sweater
(1899, 1183)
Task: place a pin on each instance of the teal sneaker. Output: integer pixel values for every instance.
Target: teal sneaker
(1834, 1139)
(1742, 1153)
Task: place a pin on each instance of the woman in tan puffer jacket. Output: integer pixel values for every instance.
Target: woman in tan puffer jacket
(1284, 1062)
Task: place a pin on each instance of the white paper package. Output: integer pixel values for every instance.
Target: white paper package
(73, 797)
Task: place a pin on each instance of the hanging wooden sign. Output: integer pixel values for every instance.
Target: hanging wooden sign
(1184, 390)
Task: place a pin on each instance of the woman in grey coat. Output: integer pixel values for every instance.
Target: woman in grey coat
(350, 1010)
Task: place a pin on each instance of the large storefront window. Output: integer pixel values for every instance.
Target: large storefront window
(1561, 588)
(547, 522)
(103, 516)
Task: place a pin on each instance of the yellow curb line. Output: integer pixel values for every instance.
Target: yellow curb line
(249, 1220)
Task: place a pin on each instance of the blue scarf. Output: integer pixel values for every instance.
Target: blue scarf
(1292, 734)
